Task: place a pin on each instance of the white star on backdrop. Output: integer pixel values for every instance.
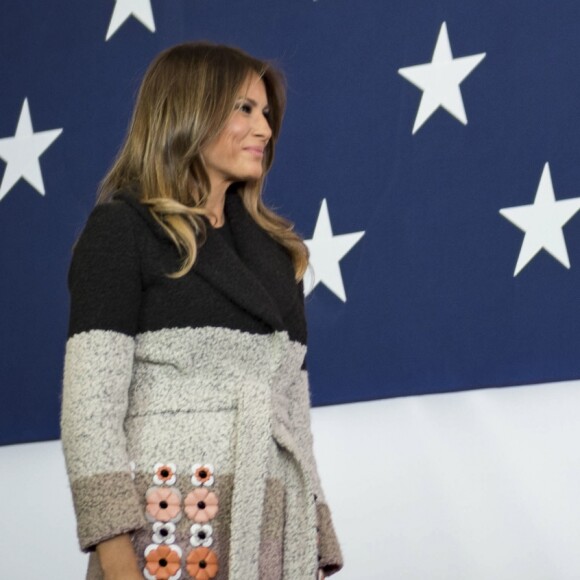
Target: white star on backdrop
(440, 79)
(542, 223)
(22, 152)
(140, 9)
(326, 251)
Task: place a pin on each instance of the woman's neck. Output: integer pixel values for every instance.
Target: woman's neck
(215, 205)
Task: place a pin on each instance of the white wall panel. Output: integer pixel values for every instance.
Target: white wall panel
(468, 486)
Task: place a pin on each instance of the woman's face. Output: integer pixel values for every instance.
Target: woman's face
(236, 154)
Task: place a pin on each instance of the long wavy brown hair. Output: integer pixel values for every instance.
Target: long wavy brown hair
(186, 97)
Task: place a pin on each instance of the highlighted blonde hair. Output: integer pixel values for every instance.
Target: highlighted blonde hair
(187, 95)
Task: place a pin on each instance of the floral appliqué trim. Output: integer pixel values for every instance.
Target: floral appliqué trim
(202, 564)
(162, 562)
(163, 533)
(201, 535)
(201, 505)
(163, 504)
(202, 474)
(165, 474)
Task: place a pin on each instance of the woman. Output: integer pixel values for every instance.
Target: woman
(185, 418)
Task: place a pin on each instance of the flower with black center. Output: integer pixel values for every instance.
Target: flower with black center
(202, 474)
(201, 535)
(162, 562)
(163, 504)
(165, 474)
(163, 533)
(202, 564)
(201, 505)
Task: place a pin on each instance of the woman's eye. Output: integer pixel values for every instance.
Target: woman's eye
(245, 108)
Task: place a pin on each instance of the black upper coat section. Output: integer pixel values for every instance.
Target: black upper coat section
(118, 276)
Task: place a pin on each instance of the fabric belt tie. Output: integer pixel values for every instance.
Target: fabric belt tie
(256, 425)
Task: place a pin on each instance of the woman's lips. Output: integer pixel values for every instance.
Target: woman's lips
(257, 151)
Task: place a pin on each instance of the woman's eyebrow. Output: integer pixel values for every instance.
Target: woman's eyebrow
(252, 102)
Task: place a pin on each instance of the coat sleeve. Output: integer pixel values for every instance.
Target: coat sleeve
(105, 290)
(329, 552)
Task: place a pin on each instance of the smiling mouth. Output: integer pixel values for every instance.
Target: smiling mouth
(257, 151)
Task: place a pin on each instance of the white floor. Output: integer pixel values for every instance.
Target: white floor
(471, 486)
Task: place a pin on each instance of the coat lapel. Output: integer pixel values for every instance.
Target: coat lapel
(248, 276)
(256, 277)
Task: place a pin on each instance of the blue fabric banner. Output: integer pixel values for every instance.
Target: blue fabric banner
(429, 155)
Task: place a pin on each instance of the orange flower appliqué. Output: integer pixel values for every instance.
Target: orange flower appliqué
(163, 504)
(165, 473)
(202, 564)
(201, 505)
(162, 562)
(202, 474)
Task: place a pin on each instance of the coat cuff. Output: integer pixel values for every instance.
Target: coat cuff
(329, 554)
(106, 506)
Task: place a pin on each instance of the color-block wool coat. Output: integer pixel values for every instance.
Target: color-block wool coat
(186, 412)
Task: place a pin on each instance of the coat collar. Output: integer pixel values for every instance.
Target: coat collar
(245, 275)
(256, 276)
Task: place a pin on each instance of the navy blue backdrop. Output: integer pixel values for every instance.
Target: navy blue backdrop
(430, 303)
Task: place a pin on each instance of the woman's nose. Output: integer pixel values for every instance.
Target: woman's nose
(262, 128)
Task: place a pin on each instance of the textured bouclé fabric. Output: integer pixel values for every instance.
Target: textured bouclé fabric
(168, 379)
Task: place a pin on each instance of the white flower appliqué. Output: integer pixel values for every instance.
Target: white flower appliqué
(201, 535)
(163, 532)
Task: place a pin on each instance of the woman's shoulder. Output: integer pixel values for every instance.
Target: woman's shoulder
(105, 274)
(109, 225)
(119, 219)
(119, 208)
(121, 235)
(113, 233)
